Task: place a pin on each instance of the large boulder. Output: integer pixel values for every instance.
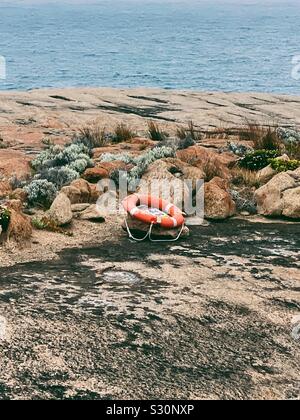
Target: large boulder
(162, 180)
(81, 191)
(5, 189)
(209, 161)
(291, 203)
(19, 228)
(218, 203)
(280, 196)
(184, 171)
(60, 211)
(92, 214)
(104, 170)
(267, 173)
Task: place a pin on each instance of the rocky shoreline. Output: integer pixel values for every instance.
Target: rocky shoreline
(56, 145)
(85, 313)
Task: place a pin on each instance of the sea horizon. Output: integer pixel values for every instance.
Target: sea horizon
(175, 45)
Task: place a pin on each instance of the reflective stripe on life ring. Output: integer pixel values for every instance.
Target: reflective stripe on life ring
(172, 219)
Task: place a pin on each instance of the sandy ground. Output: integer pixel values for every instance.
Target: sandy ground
(46, 245)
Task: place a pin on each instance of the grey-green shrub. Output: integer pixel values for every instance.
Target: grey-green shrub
(59, 176)
(141, 163)
(58, 156)
(41, 192)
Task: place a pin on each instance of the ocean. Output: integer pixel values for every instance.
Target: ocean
(199, 45)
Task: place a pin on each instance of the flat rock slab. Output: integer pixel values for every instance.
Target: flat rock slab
(28, 117)
(213, 316)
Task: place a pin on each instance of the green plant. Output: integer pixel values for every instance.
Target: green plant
(123, 133)
(258, 159)
(3, 144)
(46, 223)
(186, 143)
(293, 150)
(48, 142)
(155, 133)
(189, 132)
(192, 132)
(59, 176)
(281, 165)
(181, 133)
(41, 192)
(263, 137)
(245, 177)
(141, 163)
(92, 136)
(4, 218)
(59, 156)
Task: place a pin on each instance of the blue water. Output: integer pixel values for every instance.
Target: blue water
(201, 45)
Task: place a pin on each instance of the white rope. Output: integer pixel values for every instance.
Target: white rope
(138, 239)
(149, 235)
(167, 240)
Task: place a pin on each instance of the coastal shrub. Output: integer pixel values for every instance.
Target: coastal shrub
(293, 150)
(288, 136)
(264, 137)
(245, 177)
(185, 143)
(58, 156)
(4, 218)
(281, 165)
(41, 192)
(122, 133)
(80, 165)
(238, 149)
(189, 132)
(71, 153)
(46, 223)
(155, 133)
(141, 163)
(244, 200)
(258, 159)
(46, 158)
(92, 136)
(123, 157)
(59, 176)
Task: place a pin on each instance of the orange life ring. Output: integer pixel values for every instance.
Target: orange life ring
(171, 218)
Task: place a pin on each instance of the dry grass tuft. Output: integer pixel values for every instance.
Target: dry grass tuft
(245, 177)
(191, 132)
(155, 133)
(93, 136)
(123, 133)
(263, 137)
